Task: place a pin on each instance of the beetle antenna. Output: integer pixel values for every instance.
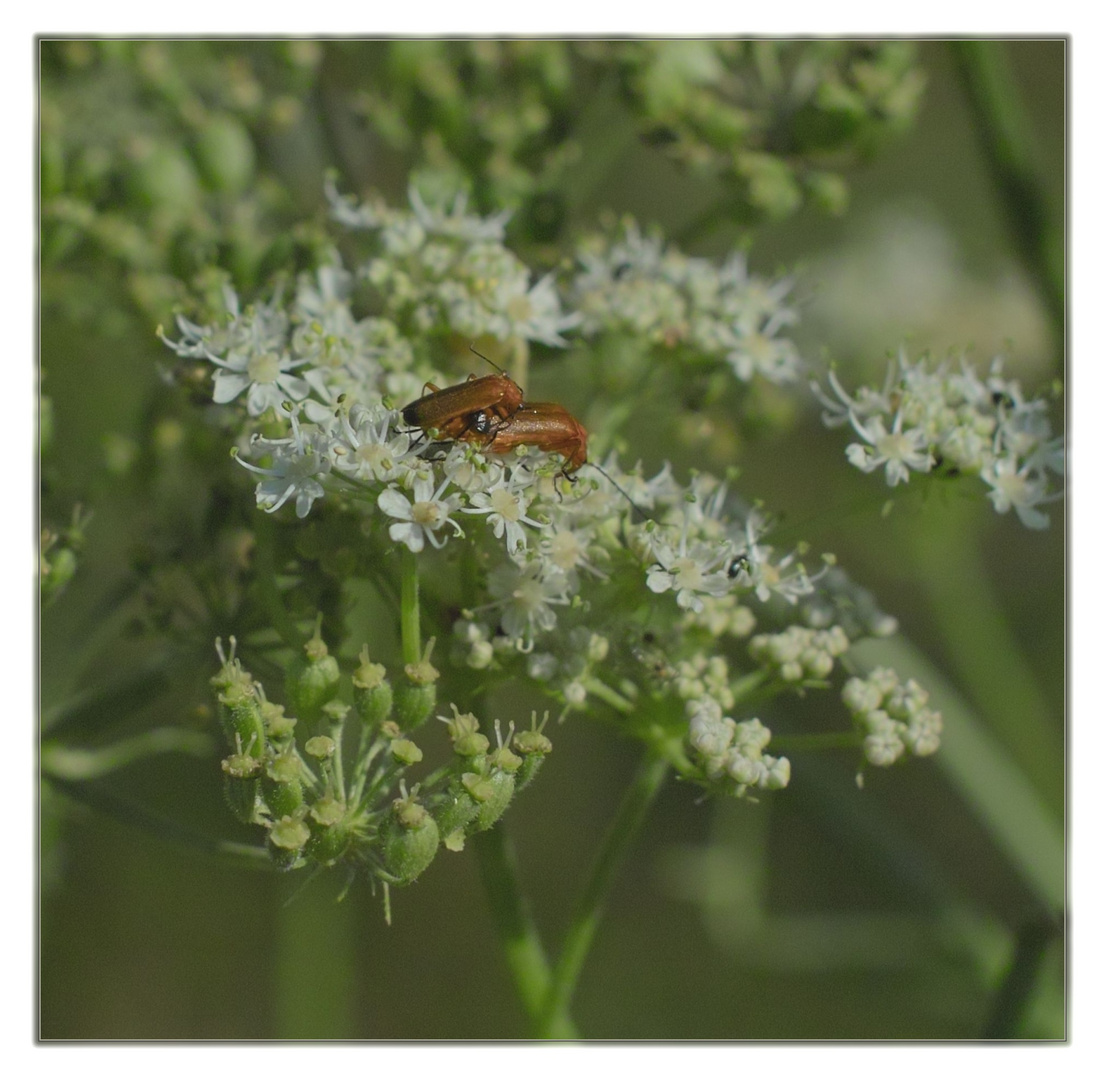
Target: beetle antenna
(488, 360)
(644, 516)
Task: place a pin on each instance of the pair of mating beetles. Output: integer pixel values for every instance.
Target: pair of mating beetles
(489, 411)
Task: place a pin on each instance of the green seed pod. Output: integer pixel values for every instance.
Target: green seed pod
(329, 843)
(530, 766)
(501, 786)
(454, 814)
(241, 716)
(313, 680)
(225, 154)
(411, 839)
(534, 747)
(416, 695)
(413, 703)
(281, 786)
(372, 693)
(242, 796)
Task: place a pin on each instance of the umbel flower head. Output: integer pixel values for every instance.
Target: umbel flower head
(945, 413)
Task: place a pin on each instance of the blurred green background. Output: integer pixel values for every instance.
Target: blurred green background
(927, 905)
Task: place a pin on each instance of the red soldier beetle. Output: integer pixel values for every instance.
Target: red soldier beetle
(547, 426)
(453, 411)
(543, 424)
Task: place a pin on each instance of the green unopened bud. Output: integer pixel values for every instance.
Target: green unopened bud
(416, 695)
(405, 752)
(464, 731)
(372, 693)
(242, 766)
(321, 747)
(502, 757)
(278, 727)
(328, 810)
(411, 840)
(289, 833)
(313, 680)
(281, 785)
(286, 840)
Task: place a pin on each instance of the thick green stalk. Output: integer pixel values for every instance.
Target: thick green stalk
(986, 657)
(623, 831)
(1005, 136)
(408, 608)
(525, 955)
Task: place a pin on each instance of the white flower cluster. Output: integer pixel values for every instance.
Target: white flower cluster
(734, 752)
(443, 268)
(561, 564)
(894, 718)
(635, 285)
(799, 652)
(928, 414)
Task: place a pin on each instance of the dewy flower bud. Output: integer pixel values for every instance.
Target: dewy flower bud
(312, 681)
(416, 694)
(372, 693)
(411, 839)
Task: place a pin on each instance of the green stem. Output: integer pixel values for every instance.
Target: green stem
(1014, 995)
(1004, 132)
(269, 594)
(988, 660)
(525, 956)
(408, 608)
(79, 763)
(611, 696)
(623, 831)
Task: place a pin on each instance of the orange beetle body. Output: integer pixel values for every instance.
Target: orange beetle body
(543, 424)
(453, 411)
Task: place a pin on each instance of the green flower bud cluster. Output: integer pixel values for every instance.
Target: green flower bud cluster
(483, 781)
(174, 173)
(893, 717)
(768, 116)
(329, 785)
(495, 112)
